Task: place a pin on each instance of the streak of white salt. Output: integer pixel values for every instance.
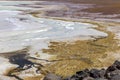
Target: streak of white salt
(18, 31)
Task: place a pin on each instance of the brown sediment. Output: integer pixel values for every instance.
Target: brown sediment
(109, 9)
(34, 78)
(71, 57)
(94, 9)
(36, 13)
(9, 54)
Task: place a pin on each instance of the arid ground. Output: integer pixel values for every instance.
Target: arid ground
(57, 36)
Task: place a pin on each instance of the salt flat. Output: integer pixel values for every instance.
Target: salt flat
(27, 25)
(19, 30)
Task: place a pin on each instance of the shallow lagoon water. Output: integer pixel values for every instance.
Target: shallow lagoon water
(19, 30)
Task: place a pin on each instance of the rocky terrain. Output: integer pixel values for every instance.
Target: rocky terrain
(110, 73)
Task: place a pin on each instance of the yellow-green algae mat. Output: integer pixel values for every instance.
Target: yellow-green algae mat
(72, 57)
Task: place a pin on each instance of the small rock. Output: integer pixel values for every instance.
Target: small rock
(116, 72)
(97, 73)
(117, 64)
(51, 76)
(111, 68)
(116, 77)
(82, 74)
(67, 78)
(74, 77)
(88, 78)
(100, 79)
